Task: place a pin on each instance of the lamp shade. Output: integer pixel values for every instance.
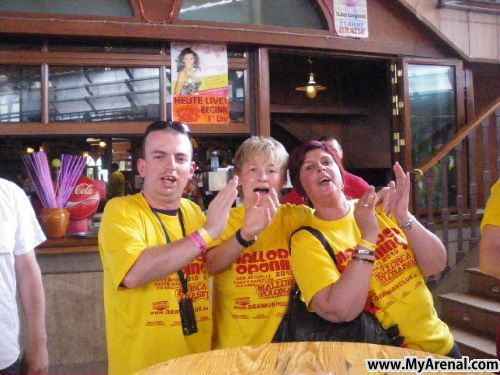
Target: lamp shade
(312, 87)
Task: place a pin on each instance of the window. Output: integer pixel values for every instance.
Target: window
(484, 6)
(103, 94)
(288, 13)
(433, 122)
(107, 88)
(116, 8)
(20, 94)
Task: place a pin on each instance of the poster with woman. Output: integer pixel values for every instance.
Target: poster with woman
(351, 18)
(199, 83)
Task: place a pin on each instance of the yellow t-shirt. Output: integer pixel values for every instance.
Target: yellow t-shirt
(143, 324)
(492, 211)
(397, 291)
(251, 297)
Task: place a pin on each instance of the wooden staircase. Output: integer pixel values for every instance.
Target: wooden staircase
(474, 152)
(474, 316)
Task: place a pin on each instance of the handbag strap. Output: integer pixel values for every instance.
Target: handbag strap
(393, 331)
(320, 237)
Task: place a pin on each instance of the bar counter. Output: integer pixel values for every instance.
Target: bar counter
(73, 281)
(68, 245)
(69, 255)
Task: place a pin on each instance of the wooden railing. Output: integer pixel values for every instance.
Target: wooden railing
(451, 188)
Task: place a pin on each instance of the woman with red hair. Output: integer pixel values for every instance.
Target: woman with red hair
(382, 258)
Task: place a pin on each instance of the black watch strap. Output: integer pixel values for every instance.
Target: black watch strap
(242, 241)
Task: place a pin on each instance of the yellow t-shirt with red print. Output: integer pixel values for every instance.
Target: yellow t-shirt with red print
(143, 325)
(397, 290)
(492, 210)
(251, 296)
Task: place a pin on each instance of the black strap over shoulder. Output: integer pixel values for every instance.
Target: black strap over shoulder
(301, 325)
(320, 237)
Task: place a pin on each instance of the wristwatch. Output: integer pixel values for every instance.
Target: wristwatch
(242, 241)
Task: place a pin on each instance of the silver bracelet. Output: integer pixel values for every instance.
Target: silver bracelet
(409, 224)
(363, 251)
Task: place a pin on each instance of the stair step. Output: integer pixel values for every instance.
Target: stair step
(485, 285)
(471, 312)
(479, 302)
(474, 346)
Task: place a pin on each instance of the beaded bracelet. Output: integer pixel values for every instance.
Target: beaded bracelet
(371, 261)
(369, 245)
(364, 256)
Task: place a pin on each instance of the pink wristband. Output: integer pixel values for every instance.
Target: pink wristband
(198, 241)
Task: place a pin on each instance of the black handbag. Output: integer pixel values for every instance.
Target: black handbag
(299, 324)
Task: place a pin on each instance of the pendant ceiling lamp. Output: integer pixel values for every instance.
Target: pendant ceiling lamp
(312, 87)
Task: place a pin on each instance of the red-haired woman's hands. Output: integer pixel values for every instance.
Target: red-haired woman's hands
(364, 214)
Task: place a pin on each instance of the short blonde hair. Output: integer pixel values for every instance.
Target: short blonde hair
(269, 146)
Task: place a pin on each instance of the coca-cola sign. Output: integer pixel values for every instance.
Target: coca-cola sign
(85, 189)
(84, 201)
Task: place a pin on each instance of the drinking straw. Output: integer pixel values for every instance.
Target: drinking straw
(38, 171)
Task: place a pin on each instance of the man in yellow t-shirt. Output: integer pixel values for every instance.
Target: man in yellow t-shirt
(144, 240)
(252, 269)
(489, 248)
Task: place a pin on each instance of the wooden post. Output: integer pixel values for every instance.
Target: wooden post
(263, 114)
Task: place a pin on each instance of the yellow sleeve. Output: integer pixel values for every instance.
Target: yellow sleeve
(492, 211)
(295, 216)
(121, 238)
(312, 267)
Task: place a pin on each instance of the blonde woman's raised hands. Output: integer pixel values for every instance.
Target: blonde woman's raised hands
(259, 212)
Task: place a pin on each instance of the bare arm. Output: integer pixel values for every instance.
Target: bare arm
(258, 215)
(489, 250)
(427, 247)
(29, 280)
(181, 80)
(344, 300)
(221, 257)
(159, 261)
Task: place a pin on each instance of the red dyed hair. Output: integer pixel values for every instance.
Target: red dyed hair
(297, 158)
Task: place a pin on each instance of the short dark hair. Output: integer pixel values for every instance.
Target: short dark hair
(297, 159)
(115, 166)
(163, 125)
